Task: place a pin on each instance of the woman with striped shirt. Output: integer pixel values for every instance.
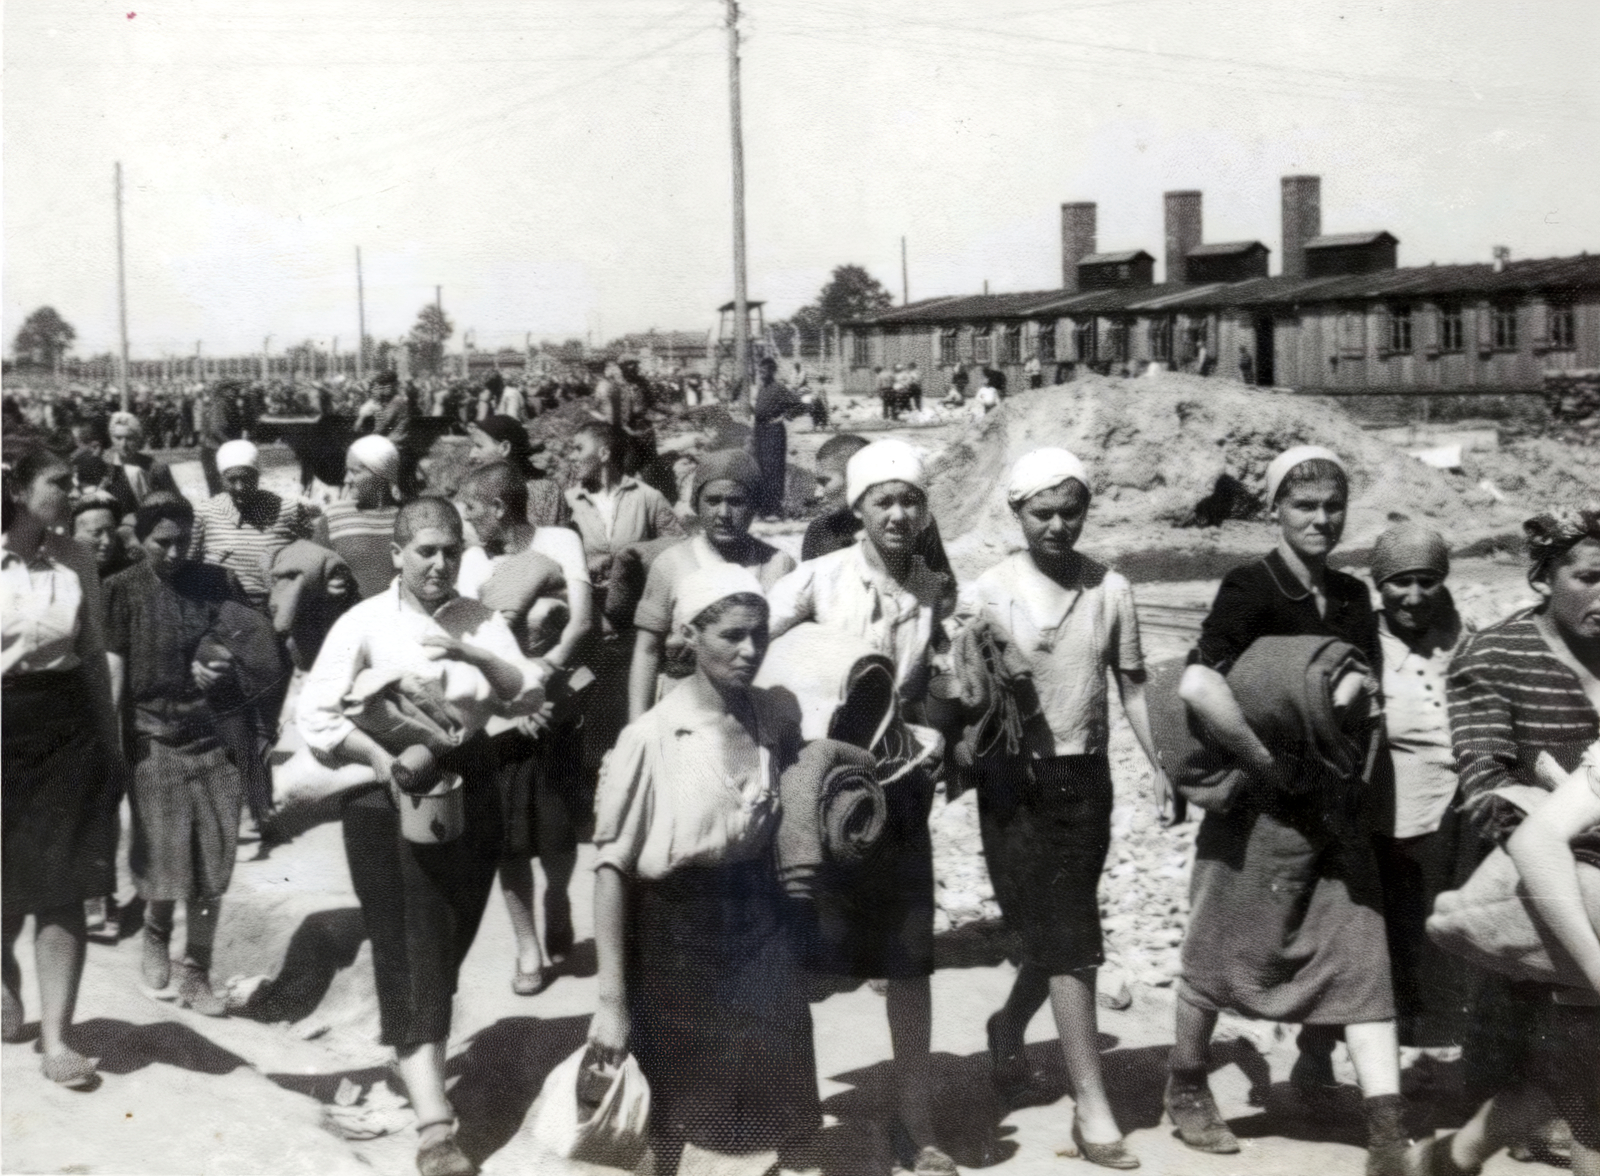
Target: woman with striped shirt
(1527, 685)
(360, 525)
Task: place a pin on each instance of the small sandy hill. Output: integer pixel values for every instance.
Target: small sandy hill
(1179, 463)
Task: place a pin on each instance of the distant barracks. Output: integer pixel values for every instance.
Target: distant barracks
(1343, 317)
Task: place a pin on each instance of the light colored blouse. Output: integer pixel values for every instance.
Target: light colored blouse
(841, 590)
(676, 791)
(1071, 635)
(41, 608)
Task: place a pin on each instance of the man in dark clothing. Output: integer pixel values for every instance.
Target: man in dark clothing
(217, 422)
(775, 403)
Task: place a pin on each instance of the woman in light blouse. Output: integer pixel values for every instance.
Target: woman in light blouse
(1046, 815)
(696, 975)
(59, 771)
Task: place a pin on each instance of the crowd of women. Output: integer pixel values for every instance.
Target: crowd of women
(511, 659)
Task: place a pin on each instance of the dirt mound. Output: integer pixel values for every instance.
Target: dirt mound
(1179, 463)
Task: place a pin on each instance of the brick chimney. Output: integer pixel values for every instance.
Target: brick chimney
(1077, 240)
(1302, 220)
(1183, 232)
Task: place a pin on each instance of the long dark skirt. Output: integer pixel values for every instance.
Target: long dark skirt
(1286, 922)
(770, 439)
(422, 903)
(1046, 828)
(57, 802)
(719, 1025)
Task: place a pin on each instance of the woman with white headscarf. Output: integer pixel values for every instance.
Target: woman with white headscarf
(879, 590)
(1046, 812)
(695, 972)
(1286, 921)
(360, 524)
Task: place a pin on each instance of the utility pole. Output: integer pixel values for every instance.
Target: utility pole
(122, 300)
(905, 279)
(361, 322)
(741, 295)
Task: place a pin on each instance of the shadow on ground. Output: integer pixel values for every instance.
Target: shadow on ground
(125, 1048)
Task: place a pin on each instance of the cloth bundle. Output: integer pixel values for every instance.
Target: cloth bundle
(312, 587)
(529, 590)
(834, 813)
(1284, 687)
(844, 687)
(243, 640)
(994, 691)
(625, 578)
(1490, 920)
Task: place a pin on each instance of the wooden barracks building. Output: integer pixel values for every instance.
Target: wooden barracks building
(1342, 317)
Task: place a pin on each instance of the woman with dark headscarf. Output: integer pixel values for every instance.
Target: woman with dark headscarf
(1529, 685)
(724, 497)
(502, 438)
(62, 754)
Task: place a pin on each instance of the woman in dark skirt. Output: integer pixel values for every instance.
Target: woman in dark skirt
(696, 974)
(1046, 816)
(1322, 959)
(62, 759)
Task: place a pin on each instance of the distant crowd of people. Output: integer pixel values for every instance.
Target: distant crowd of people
(753, 744)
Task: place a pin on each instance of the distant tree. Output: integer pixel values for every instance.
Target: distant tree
(809, 326)
(44, 337)
(851, 293)
(430, 332)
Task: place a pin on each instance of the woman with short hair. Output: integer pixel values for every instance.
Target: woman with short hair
(696, 976)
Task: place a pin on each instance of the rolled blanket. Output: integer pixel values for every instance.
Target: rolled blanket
(524, 588)
(402, 711)
(834, 813)
(1284, 687)
(844, 688)
(625, 578)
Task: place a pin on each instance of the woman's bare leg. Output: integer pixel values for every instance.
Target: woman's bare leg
(59, 946)
(1375, 1052)
(422, 1069)
(1072, 1000)
(516, 883)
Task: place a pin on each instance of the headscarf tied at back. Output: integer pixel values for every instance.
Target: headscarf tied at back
(727, 465)
(1299, 455)
(883, 461)
(1042, 470)
(1409, 547)
(1553, 534)
(379, 455)
(702, 588)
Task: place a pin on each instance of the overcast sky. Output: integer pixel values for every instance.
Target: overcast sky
(561, 166)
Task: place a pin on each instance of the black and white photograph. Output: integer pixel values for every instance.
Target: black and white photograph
(800, 588)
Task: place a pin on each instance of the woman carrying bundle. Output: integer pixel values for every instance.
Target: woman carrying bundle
(1528, 685)
(879, 590)
(1046, 815)
(696, 976)
(1323, 962)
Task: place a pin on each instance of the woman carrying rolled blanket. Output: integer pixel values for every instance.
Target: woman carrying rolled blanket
(1046, 813)
(882, 929)
(696, 975)
(62, 754)
(1325, 962)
